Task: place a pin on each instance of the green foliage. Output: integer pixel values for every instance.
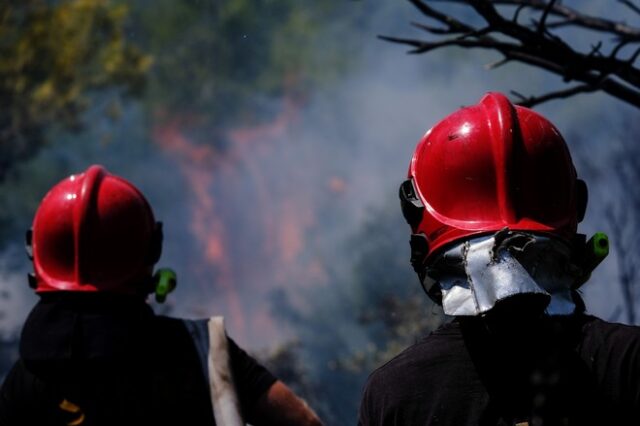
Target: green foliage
(223, 62)
(21, 196)
(52, 55)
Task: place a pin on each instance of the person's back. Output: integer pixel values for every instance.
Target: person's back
(110, 360)
(92, 351)
(493, 202)
(576, 370)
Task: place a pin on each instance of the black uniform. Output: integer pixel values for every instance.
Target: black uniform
(100, 360)
(576, 370)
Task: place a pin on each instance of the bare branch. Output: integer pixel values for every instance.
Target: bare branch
(530, 101)
(411, 42)
(537, 46)
(517, 13)
(497, 64)
(423, 46)
(574, 17)
(432, 30)
(582, 20)
(595, 49)
(545, 14)
(616, 49)
(525, 35)
(633, 57)
(452, 23)
(630, 5)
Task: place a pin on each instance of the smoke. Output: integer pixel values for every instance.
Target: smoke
(15, 295)
(268, 207)
(263, 222)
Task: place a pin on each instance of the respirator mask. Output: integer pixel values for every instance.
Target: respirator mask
(471, 277)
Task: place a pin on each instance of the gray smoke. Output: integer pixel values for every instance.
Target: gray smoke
(286, 204)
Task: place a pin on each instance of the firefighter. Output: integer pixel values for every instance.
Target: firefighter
(92, 351)
(493, 201)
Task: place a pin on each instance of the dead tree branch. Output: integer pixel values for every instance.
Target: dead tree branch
(536, 45)
(631, 5)
(531, 101)
(570, 17)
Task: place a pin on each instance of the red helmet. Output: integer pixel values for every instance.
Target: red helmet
(487, 167)
(94, 231)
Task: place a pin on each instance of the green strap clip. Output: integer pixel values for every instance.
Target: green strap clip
(165, 280)
(595, 251)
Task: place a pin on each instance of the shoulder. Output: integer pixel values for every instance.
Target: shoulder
(251, 378)
(413, 386)
(424, 360)
(598, 325)
(600, 334)
(611, 352)
(437, 344)
(169, 333)
(179, 339)
(610, 343)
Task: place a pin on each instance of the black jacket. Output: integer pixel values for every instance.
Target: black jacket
(107, 360)
(576, 370)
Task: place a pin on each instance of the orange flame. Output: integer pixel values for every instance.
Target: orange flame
(282, 222)
(195, 161)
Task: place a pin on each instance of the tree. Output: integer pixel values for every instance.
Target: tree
(241, 56)
(52, 55)
(535, 44)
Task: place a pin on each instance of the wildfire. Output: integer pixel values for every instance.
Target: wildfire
(196, 163)
(248, 235)
(337, 185)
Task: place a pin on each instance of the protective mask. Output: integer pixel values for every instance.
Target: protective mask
(478, 273)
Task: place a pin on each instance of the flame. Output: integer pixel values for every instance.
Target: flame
(195, 162)
(268, 131)
(278, 220)
(337, 185)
